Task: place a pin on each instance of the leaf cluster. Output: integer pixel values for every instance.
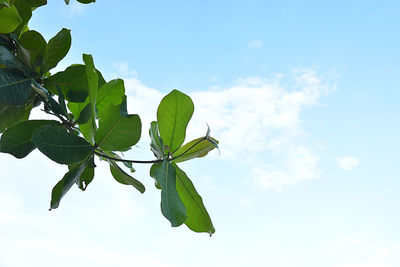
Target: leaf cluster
(91, 119)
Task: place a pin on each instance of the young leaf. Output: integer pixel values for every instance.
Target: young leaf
(122, 177)
(156, 145)
(56, 49)
(198, 219)
(16, 140)
(196, 148)
(60, 146)
(9, 19)
(116, 132)
(173, 115)
(63, 186)
(172, 206)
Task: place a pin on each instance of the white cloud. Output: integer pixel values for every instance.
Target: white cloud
(257, 122)
(255, 44)
(74, 9)
(347, 163)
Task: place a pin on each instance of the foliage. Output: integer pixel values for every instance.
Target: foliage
(91, 119)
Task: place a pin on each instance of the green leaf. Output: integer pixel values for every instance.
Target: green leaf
(199, 150)
(198, 219)
(92, 77)
(173, 115)
(9, 62)
(110, 93)
(72, 83)
(15, 88)
(16, 140)
(35, 43)
(63, 186)
(9, 19)
(117, 132)
(61, 101)
(56, 49)
(86, 1)
(85, 115)
(60, 146)
(25, 12)
(10, 115)
(87, 175)
(172, 206)
(122, 177)
(156, 145)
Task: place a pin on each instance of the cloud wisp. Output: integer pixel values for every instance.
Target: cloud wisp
(256, 117)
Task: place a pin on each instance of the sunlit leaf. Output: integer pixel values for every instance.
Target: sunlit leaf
(173, 115)
(9, 19)
(196, 148)
(198, 219)
(56, 49)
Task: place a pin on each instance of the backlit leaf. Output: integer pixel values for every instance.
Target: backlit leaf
(124, 178)
(173, 115)
(9, 19)
(172, 206)
(202, 147)
(56, 49)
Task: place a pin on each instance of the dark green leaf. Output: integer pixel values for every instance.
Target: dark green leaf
(156, 145)
(92, 78)
(63, 186)
(25, 12)
(10, 115)
(199, 150)
(10, 62)
(9, 19)
(198, 219)
(116, 132)
(173, 115)
(15, 88)
(60, 146)
(86, 1)
(124, 178)
(87, 175)
(171, 205)
(61, 100)
(35, 44)
(72, 82)
(16, 140)
(55, 107)
(56, 49)
(85, 115)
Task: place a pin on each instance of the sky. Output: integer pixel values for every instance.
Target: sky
(303, 97)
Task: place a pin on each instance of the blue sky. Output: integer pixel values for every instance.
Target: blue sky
(303, 97)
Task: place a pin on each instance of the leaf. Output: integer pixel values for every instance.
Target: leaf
(87, 175)
(61, 101)
(25, 12)
(92, 78)
(172, 206)
(35, 43)
(173, 115)
(16, 140)
(9, 19)
(199, 150)
(63, 186)
(9, 62)
(110, 93)
(122, 177)
(15, 88)
(85, 115)
(72, 83)
(156, 145)
(86, 1)
(56, 49)
(10, 115)
(198, 219)
(117, 132)
(60, 146)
